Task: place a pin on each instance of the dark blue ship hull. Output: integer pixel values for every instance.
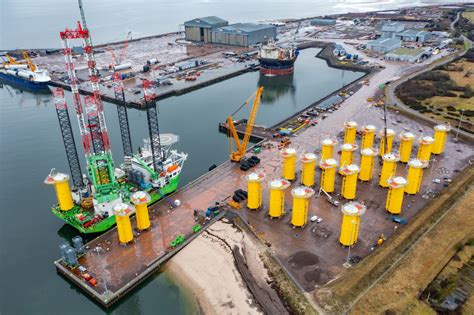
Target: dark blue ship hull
(23, 83)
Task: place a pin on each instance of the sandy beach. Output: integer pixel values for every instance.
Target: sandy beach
(207, 267)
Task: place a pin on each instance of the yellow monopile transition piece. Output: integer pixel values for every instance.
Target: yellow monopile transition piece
(308, 169)
(327, 148)
(277, 197)
(351, 213)
(288, 168)
(395, 194)
(424, 149)
(347, 153)
(368, 136)
(390, 134)
(389, 167)
(140, 200)
(328, 174)
(440, 136)
(301, 196)
(124, 226)
(350, 131)
(415, 176)
(63, 192)
(254, 187)
(349, 181)
(406, 144)
(367, 164)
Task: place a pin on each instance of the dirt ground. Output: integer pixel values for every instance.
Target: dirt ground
(398, 291)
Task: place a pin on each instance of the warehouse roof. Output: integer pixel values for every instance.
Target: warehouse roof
(244, 28)
(412, 33)
(384, 42)
(206, 22)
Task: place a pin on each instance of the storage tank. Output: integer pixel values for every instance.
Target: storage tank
(277, 187)
(390, 134)
(254, 189)
(16, 67)
(78, 244)
(395, 194)
(367, 164)
(415, 176)
(347, 153)
(425, 145)
(389, 168)
(440, 135)
(124, 226)
(288, 167)
(327, 148)
(368, 136)
(350, 131)
(406, 145)
(140, 200)
(301, 196)
(328, 174)
(351, 213)
(308, 161)
(349, 181)
(63, 192)
(123, 66)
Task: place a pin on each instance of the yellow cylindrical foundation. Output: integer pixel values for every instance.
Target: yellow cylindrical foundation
(301, 196)
(254, 188)
(349, 181)
(63, 191)
(368, 136)
(415, 176)
(288, 168)
(276, 208)
(424, 149)
(440, 135)
(367, 164)
(124, 226)
(347, 153)
(141, 199)
(406, 145)
(327, 148)
(389, 135)
(328, 174)
(389, 167)
(308, 161)
(350, 131)
(395, 195)
(351, 213)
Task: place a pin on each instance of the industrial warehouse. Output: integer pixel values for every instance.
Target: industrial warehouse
(215, 30)
(277, 166)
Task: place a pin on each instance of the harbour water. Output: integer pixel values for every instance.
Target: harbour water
(30, 145)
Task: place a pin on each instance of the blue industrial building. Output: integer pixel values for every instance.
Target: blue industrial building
(384, 45)
(199, 29)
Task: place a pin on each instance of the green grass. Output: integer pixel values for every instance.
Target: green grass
(469, 15)
(407, 51)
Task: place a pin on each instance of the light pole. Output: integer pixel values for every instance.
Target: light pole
(459, 126)
(98, 249)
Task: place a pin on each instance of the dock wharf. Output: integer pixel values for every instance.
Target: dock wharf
(118, 269)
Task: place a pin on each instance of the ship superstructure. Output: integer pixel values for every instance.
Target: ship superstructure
(277, 60)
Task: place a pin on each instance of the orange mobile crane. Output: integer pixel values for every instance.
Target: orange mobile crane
(241, 147)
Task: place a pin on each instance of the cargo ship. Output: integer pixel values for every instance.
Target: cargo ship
(26, 74)
(277, 60)
(91, 213)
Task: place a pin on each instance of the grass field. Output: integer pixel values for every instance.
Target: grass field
(469, 16)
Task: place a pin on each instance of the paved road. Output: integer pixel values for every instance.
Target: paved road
(392, 98)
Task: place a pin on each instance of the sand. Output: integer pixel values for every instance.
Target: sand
(206, 268)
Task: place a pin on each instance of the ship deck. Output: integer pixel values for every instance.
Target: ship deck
(312, 256)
